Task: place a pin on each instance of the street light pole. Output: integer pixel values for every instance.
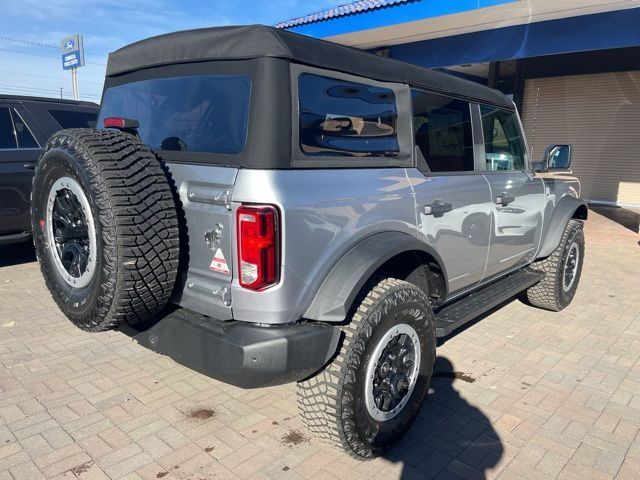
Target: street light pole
(74, 84)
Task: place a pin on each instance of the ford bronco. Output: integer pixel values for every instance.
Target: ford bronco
(265, 207)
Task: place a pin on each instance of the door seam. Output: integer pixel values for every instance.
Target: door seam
(492, 217)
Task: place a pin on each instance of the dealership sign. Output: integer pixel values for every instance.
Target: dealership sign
(72, 51)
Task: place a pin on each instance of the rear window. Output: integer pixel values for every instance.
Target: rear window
(207, 113)
(442, 127)
(74, 119)
(343, 118)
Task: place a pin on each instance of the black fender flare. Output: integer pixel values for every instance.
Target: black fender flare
(565, 211)
(346, 278)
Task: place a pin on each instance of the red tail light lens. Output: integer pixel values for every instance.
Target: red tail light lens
(258, 246)
(119, 122)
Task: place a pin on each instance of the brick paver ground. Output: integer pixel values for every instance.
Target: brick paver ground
(522, 393)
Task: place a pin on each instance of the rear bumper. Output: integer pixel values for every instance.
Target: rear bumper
(240, 353)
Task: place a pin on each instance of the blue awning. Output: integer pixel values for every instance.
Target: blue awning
(601, 31)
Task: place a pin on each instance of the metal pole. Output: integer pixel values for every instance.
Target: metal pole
(60, 92)
(74, 83)
(77, 85)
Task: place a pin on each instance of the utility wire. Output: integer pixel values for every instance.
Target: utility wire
(88, 98)
(9, 72)
(30, 89)
(45, 56)
(19, 93)
(20, 87)
(43, 44)
(51, 93)
(27, 42)
(36, 89)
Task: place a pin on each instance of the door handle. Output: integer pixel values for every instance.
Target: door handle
(505, 199)
(29, 166)
(437, 208)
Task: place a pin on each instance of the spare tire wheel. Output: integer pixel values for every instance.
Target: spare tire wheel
(105, 228)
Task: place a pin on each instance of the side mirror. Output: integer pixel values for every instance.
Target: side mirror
(557, 157)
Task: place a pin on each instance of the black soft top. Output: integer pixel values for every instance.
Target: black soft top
(255, 41)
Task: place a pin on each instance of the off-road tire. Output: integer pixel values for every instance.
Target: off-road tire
(332, 404)
(549, 294)
(136, 227)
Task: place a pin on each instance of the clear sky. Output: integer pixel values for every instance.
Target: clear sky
(30, 32)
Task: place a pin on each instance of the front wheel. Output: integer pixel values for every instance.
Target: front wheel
(562, 270)
(367, 398)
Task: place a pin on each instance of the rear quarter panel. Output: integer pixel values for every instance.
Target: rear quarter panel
(324, 213)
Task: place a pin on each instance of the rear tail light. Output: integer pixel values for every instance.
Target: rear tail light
(258, 246)
(120, 122)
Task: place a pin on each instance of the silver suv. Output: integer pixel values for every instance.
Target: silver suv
(265, 208)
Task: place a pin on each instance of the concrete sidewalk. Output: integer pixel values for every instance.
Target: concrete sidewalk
(522, 393)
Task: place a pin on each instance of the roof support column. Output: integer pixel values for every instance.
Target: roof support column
(518, 88)
(494, 74)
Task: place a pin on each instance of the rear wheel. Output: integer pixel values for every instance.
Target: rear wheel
(562, 270)
(105, 228)
(368, 397)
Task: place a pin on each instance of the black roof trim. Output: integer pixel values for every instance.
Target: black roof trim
(27, 98)
(255, 41)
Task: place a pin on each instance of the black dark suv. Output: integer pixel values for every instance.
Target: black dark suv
(25, 125)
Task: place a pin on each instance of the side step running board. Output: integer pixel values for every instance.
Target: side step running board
(15, 238)
(465, 309)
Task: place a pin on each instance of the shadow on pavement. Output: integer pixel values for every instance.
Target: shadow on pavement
(521, 298)
(629, 219)
(17, 253)
(449, 432)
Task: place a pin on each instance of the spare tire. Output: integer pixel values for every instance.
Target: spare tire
(105, 228)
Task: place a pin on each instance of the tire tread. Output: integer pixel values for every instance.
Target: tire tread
(545, 294)
(319, 397)
(138, 220)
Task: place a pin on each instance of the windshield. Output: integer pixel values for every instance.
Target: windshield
(207, 113)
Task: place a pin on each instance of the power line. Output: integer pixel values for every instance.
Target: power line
(60, 79)
(27, 42)
(41, 91)
(44, 56)
(43, 44)
(22, 87)
(27, 53)
(28, 89)
(52, 94)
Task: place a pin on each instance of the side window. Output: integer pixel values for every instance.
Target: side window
(346, 119)
(7, 137)
(503, 141)
(442, 128)
(71, 119)
(23, 135)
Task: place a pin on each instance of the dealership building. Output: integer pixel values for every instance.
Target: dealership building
(572, 68)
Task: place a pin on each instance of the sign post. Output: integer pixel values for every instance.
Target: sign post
(72, 50)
